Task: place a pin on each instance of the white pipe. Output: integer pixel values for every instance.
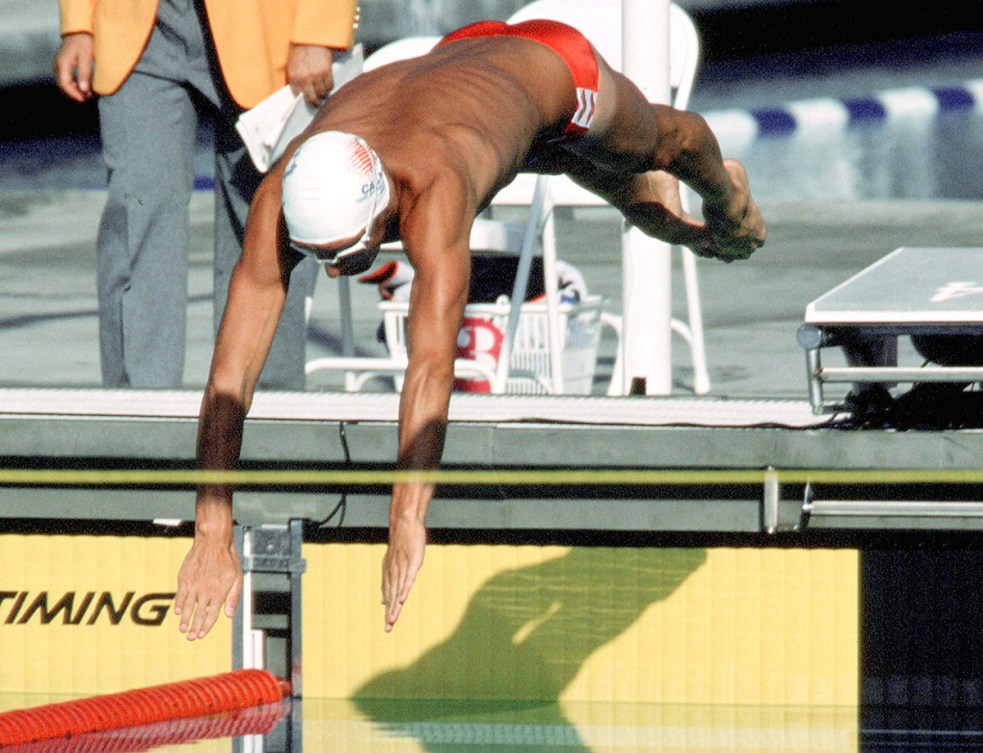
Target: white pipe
(647, 263)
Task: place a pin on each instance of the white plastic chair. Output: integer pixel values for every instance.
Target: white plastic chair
(486, 235)
(600, 22)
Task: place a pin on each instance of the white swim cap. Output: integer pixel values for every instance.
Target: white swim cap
(333, 188)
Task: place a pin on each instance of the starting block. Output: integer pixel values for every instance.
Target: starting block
(933, 295)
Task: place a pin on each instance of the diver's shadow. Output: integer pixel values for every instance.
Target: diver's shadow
(525, 635)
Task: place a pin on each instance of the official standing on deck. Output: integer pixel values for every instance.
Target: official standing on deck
(161, 67)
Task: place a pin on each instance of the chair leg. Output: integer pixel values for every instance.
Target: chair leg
(701, 376)
(556, 332)
(616, 387)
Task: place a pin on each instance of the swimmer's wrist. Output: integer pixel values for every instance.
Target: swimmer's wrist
(213, 519)
(213, 532)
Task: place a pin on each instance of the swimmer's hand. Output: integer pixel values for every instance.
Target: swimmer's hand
(404, 557)
(209, 579)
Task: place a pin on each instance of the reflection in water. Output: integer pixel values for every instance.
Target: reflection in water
(526, 633)
(497, 726)
(243, 724)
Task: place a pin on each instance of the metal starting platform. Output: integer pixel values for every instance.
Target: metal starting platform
(911, 292)
(765, 469)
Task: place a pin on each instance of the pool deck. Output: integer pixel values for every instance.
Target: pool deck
(751, 310)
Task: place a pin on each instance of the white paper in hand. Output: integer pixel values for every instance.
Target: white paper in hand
(267, 128)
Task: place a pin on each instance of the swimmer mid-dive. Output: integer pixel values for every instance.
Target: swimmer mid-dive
(414, 151)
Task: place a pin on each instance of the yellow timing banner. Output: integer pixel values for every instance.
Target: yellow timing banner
(83, 615)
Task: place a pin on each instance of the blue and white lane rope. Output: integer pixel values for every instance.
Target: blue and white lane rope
(830, 114)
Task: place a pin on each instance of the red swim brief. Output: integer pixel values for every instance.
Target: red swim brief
(566, 42)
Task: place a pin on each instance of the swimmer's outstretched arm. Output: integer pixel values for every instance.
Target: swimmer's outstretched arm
(435, 235)
(210, 579)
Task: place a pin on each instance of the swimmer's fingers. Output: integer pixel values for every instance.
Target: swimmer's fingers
(404, 557)
(232, 600)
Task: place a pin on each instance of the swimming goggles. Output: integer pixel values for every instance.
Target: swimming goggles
(349, 261)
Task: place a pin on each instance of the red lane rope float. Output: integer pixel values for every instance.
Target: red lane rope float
(207, 696)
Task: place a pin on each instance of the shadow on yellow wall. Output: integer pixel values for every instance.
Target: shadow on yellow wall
(526, 634)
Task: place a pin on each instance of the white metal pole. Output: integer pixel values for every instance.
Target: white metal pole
(647, 263)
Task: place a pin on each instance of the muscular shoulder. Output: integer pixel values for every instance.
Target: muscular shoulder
(437, 204)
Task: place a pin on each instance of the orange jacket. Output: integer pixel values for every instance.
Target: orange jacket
(252, 37)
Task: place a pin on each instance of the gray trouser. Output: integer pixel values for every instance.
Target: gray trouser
(148, 129)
